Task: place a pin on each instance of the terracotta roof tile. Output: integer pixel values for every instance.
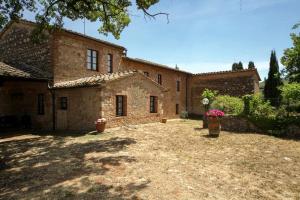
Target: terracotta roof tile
(228, 72)
(94, 80)
(155, 64)
(22, 71)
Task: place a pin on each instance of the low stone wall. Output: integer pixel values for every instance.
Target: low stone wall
(238, 124)
(243, 125)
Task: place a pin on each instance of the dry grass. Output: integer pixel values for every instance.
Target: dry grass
(154, 161)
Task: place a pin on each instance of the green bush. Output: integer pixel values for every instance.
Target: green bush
(290, 91)
(184, 115)
(228, 104)
(259, 107)
(247, 99)
(209, 94)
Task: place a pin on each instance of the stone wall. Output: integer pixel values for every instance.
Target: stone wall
(169, 78)
(87, 104)
(138, 91)
(70, 57)
(20, 97)
(84, 108)
(233, 84)
(16, 47)
(238, 124)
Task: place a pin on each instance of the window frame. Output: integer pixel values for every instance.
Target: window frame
(153, 104)
(90, 59)
(121, 105)
(41, 104)
(178, 86)
(109, 63)
(159, 79)
(177, 109)
(64, 103)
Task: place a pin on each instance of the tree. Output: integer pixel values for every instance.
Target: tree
(251, 65)
(271, 90)
(291, 91)
(240, 66)
(237, 66)
(113, 15)
(291, 59)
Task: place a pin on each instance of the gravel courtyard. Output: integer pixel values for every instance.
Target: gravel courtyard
(153, 161)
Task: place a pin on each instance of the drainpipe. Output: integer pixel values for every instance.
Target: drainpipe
(186, 93)
(52, 91)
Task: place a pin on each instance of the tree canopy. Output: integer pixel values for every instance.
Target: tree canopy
(291, 59)
(237, 66)
(251, 65)
(113, 15)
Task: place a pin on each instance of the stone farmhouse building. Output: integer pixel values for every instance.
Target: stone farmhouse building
(70, 79)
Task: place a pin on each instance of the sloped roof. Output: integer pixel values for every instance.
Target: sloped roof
(22, 71)
(65, 30)
(155, 64)
(229, 72)
(100, 79)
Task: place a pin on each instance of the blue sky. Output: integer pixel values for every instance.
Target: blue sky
(207, 35)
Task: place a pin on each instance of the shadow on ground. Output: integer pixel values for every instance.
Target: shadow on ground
(37, 166)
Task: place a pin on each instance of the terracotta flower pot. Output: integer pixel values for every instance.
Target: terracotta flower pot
(164, 120)
(100, 126)
(214, 126)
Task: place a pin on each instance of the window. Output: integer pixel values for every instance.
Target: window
(63, 103)
(153, 104)
(178, 86)
(159, 79)
(146, 74)
(41, 109)
(121, 105)
(109, 63)
(177, 109)
(92, 59)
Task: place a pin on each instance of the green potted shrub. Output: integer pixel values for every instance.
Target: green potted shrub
(214, 122)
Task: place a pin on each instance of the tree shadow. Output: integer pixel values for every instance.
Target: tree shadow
(38, 166)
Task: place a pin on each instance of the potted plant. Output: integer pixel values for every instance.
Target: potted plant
(164, 120)
(100, 125)
(214, 122)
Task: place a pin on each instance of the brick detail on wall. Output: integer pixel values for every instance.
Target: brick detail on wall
(71, 57)
(234, 86)
(16, 47)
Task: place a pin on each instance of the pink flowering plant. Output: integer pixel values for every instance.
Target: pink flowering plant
(214, 113)
(100, 120)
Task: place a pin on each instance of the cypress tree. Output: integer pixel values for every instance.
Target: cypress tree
(240, 66)
(271, 91)
(251, 65)
(237, 66)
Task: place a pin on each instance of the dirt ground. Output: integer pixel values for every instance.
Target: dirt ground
(153, 161)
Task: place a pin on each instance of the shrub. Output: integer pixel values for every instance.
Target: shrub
(290, 91)
(184, 115)
(209, 94)
(247, 99)
(228, 104)
(259, 107)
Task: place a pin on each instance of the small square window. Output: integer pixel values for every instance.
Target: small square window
(63, 103)
(121, 105)
(146, 74)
